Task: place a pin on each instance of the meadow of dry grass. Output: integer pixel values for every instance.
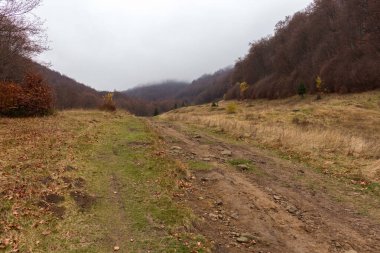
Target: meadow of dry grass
(339, 134)
(73, 182)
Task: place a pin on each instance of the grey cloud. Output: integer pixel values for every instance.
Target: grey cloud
(117, 44)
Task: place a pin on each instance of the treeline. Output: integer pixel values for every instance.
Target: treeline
(337, 40)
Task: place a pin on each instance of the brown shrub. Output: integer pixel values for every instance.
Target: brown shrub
(108, 103)
(32, 98)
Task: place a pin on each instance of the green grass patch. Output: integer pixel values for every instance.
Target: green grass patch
(237, 162)
(247, 165)
(374, 188)
(199, 165)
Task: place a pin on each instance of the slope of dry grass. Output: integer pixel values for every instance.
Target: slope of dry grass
(339, 134)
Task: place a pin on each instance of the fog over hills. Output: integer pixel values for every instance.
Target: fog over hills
(118, 44)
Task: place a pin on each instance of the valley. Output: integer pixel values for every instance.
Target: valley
(190, 126)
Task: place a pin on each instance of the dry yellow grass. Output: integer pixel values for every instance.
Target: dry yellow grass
(74, 182)
(34, 150)
(339, 134)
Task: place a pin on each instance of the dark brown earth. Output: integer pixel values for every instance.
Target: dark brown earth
(54, 198)
(272, 205)
(83, 200)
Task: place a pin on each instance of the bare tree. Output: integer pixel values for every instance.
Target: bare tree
(21, 37)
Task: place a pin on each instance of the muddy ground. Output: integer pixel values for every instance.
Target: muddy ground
(267, 204)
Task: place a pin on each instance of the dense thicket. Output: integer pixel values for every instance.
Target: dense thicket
(335, 39)
(32, 97)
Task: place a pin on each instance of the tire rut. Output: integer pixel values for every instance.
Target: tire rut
(272, 211)
(118, 233)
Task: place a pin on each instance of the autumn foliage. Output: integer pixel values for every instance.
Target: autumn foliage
(31, 98)
(22, 92)
(108, 103)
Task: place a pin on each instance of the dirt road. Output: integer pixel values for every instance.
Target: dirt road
(249, 200)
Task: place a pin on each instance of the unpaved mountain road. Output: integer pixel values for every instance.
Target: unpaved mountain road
(272, 205)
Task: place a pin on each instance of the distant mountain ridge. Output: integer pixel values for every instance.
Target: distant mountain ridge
(208, 88)
(142, 100)
(157, 91)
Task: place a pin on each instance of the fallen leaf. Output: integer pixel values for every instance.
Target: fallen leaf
(6, 242)
(45, 233)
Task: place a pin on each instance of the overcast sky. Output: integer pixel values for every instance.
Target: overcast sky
(118, 44)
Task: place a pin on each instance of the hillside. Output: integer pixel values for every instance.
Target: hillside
(337, 40)
(69, 93)
(283, 176)
(340, 135)
(208, 88)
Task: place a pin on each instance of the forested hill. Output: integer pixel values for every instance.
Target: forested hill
(337, 40)
(69, 93)
(208, 88)
(158, 91)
